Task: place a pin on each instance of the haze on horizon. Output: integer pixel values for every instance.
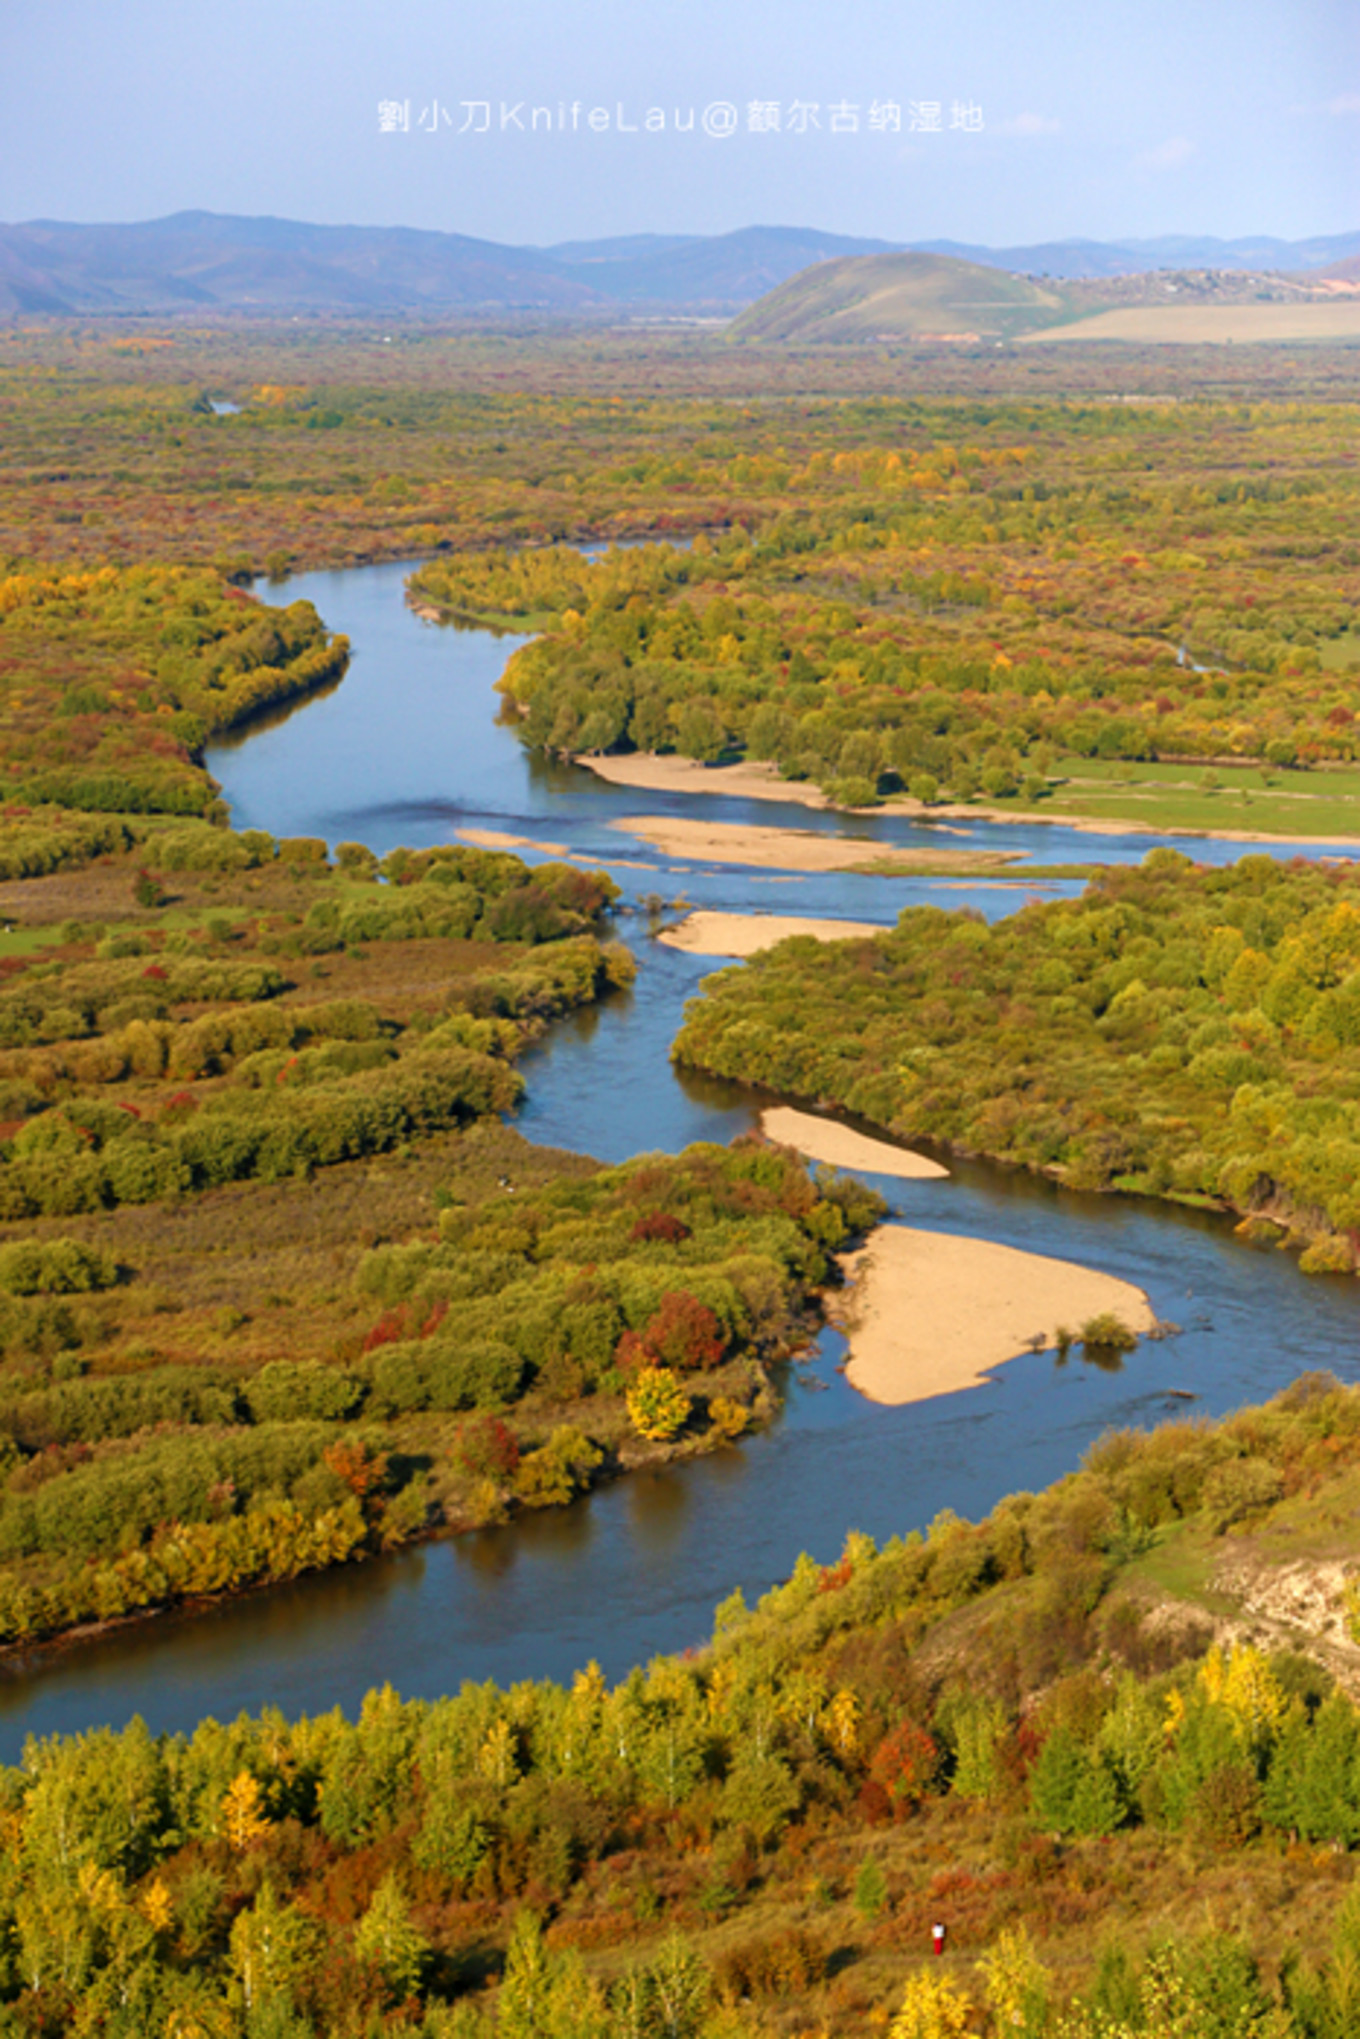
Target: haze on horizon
(1134, 118)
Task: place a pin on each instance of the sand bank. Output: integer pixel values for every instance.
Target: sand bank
(492, 839)
(930, 1313)
(796, 849)
(750, 780)
(746, 934)
(754, 780)
(824, 1140)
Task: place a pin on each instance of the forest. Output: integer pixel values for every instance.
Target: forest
(253, 1019)
(1045, 1732)
(966, 617)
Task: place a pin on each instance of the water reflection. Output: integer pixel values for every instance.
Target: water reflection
(658, 1507)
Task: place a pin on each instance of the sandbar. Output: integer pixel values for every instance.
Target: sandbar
(824, 1140)
(747, 934)
(750, 780)
(797, 849)
(931, 1313)
(493, 839)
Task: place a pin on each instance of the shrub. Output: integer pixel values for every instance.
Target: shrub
(933, 2007)
(1238, 1488)
(1327, 1256)
(558, 1470)
(488, 1449)
(356, 860)
(871, 1888)
(1106, 1334)
(728, 1418)
(285, 1390)
(684, 1333)
(778, 1964)
(44, 1267)
(661, 1225)
(435, 1373)
(658, 1406)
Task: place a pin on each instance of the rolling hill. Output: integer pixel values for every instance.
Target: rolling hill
(901, 297)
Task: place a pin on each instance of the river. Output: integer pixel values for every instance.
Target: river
(405, 750)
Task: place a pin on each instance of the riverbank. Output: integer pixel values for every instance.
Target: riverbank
(752, 779)
(842, 1147)
(796, 849)
(930, 1313)
(749, 934)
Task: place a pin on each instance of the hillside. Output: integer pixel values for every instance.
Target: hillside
(921, 296)
(203, 261)
(904, 296)
(1105, 1740)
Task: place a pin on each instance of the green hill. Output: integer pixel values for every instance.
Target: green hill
(900, 297)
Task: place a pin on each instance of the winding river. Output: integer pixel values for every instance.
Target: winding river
(406, 750)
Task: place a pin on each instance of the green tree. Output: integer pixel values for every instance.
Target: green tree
(388, 1940)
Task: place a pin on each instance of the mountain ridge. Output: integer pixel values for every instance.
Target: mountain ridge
(215, 262)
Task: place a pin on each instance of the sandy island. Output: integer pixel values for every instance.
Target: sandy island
(824, 1140)
(930, 1313)
(493, 839)
(750, 780)
(746, 934)
(797, 849)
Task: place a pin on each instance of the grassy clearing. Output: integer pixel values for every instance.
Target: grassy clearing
(1210, 799)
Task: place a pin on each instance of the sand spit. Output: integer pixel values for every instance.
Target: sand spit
(931, 1313)
(750, 780)
(796, 849)
(492, 839)
(824, 1140)
(747, 934)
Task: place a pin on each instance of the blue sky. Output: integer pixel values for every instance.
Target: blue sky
(1109, 118)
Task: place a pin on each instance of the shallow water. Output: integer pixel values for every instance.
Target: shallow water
(406, 750)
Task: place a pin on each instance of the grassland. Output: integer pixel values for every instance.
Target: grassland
(1211, 325)
(1218, 798)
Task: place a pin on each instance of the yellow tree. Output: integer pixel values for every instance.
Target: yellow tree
(657, 1404)
(933, 2007)
(244, 1819)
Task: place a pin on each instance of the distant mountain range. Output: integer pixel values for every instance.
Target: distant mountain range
(207, 262)
(1171, 251)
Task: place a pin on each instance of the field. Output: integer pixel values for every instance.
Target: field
(1213, 325)
(1219, 798)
